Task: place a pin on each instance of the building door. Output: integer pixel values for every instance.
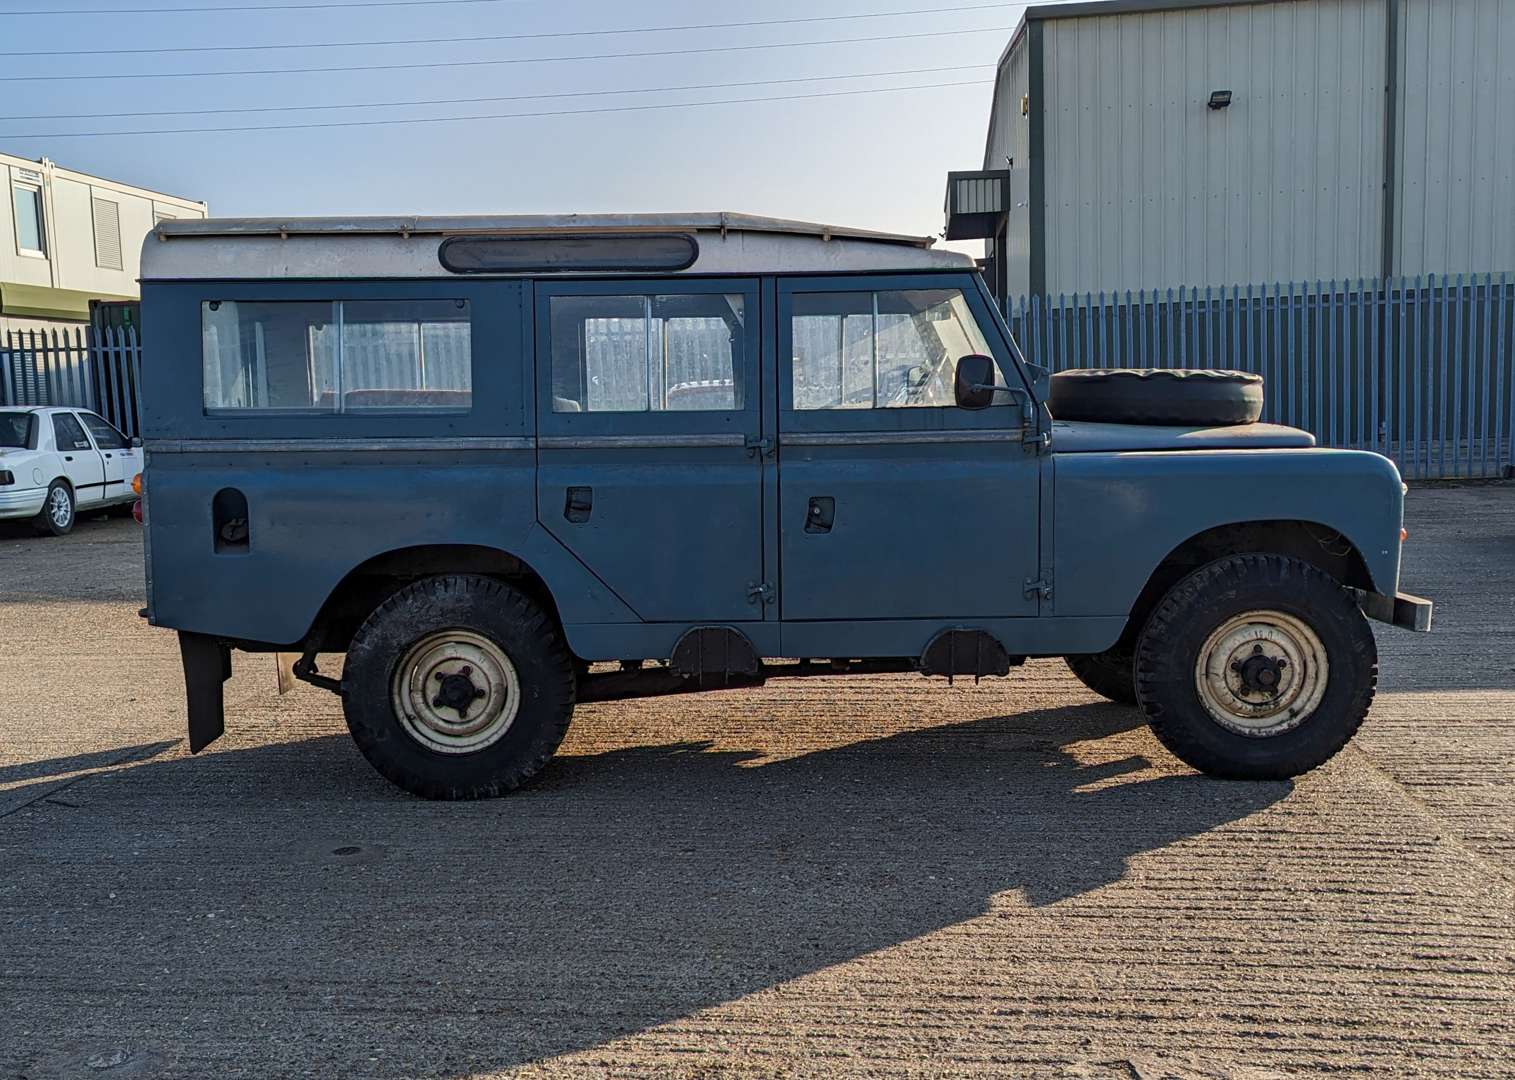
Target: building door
(893, 502)
(648, 416)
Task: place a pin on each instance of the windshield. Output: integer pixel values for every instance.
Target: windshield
(15, 430)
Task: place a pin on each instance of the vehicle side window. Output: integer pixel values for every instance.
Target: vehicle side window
(106, 437)
(647, 353)
(17, 431)
(339, 356)
(68, 434)
(881, 350)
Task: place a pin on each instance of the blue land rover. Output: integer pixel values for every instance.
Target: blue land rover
(509, 464)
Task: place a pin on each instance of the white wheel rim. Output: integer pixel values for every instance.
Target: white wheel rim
(58, 508)
(1261, 673)
(455, 692)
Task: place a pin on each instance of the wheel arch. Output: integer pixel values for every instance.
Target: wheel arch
(369, 583)
(1310, 541)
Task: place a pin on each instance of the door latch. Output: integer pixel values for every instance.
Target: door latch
(820, 514)
(758, 446)
(1039, 587)
(759, 593)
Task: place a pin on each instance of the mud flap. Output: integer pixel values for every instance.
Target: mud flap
(207, 665)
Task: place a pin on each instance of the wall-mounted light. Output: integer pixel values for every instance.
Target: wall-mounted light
(1220, 99)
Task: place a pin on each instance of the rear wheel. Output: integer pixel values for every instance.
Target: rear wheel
(1110, 674)
(1256, 667)
(458, 687)
(57, 514)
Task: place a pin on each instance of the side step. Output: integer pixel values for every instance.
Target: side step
(966, 652)
(715, 656)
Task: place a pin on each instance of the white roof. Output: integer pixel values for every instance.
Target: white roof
(406, 247)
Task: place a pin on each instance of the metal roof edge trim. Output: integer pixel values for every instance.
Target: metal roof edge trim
(508, 224)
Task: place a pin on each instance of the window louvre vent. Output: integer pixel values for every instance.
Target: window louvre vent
(107, 234)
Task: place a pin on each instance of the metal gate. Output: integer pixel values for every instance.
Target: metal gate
(98, 368)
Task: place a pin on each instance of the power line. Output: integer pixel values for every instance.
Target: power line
(485, 100)
(256, 7)
(496, 63)
(489, 116)
(526, 37)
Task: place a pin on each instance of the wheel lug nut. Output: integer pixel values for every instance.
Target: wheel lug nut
(1257, 650)
(1235, 665)
(467, 671)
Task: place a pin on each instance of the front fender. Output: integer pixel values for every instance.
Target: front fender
(1118, 515)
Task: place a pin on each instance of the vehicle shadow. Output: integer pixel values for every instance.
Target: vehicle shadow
(295, 905)
(73, 763)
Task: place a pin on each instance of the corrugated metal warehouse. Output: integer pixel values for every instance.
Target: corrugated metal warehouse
(1147, 144)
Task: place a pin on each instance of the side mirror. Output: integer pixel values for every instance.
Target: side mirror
(974, 386)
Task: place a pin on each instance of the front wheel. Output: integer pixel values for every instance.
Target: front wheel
(1256, 667)
(458, 687)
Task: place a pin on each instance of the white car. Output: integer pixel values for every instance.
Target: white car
(55, 463)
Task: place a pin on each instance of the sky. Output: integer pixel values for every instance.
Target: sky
(873, 160)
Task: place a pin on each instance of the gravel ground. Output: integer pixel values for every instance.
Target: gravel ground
(867, 877)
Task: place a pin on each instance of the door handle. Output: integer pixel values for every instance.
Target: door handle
(820, 514)
(68, 457)
(578, 504)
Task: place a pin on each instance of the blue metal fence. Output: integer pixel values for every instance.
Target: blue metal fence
(1419, 369)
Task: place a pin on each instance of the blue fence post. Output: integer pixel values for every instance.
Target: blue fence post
(1501, 417)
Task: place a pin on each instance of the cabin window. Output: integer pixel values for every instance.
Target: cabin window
(881, 350)
(343, 356)
(647, 353)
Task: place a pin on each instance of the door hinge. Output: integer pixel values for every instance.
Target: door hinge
(1039, 440)
(1041, 587)
(758, 445)
(759, 592)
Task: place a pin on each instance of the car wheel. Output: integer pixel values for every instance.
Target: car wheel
(57, 514)
(1256, 667)
(458, 687)
(1110, 674)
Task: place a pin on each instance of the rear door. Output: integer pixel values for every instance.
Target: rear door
(893, 502)
(120, 458)
(82, 463)
(648, 412)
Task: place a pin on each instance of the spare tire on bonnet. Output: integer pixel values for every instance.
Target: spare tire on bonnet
(1178, 396)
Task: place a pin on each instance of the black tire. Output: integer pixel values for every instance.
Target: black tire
(1110, 674)
(489, 609)
(1198, 606)
(1177, 396)
(44, 522)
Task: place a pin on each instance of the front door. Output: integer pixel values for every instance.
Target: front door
(893, 502)
(648, 416)
(122, 461)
